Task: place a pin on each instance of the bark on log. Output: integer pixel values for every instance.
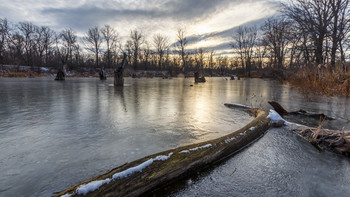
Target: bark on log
(278, 108)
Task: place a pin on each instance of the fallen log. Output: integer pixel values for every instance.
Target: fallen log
(155, 171)
(282, 112)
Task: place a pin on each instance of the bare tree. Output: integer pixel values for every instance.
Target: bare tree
(111, 38)
(161, 44)
(339, 27)
(27, 30)
(146, 55)
(93, 41)
(181, 45)
(43, 41)
(222, 62)
(47, 41)
(260, 53)
(129, 50)
(244, 43)
(4, 33)
(69, 40)
(314, 18)
(199, 57)
(211, 61)
(276, 39)
(137, 41)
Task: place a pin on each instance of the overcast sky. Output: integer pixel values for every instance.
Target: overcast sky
(209, 22)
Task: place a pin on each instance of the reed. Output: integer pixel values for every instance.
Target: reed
(321, 81)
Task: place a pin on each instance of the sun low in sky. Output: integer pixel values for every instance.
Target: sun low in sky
(210, 23)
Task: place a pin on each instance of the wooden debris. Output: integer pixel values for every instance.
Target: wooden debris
(325, 139)
(282, 112)
(278, 108)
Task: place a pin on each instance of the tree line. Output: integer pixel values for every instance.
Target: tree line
(36, 46)
(307, 33)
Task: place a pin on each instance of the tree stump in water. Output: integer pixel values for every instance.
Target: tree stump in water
(119, 73)
(102, 74)
(198, 79)
(60, 76)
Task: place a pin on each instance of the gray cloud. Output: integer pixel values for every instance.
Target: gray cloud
(223, 35)
(150, 16)
(87, 15)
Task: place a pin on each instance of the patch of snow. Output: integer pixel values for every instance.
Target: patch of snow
(92, 186)
(197, 148)
(67, 195)
(230, 140)
(189, 182)
(44, 69)
(132, 170)
(275, 117)
(163, 157)
(202, 147)
(239, 105)
(252, 128)
(140, 167)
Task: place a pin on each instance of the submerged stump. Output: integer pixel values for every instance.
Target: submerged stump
(102, 74)
(198, 79)
(60, 76)
(119, 73)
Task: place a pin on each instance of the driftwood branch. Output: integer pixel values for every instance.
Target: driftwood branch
(282, 112)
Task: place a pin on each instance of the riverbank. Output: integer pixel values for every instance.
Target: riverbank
(321, 81)
(13, 71)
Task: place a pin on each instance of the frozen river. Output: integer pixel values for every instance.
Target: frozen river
(56, 134)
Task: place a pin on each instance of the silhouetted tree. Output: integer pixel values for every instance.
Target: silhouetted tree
(111, 38)
(181, 45)
(136, 41)
(161, 44)
(93, 41)
(245, 41)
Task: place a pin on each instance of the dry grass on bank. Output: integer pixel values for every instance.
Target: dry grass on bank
(20, 74)
(331, 83)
